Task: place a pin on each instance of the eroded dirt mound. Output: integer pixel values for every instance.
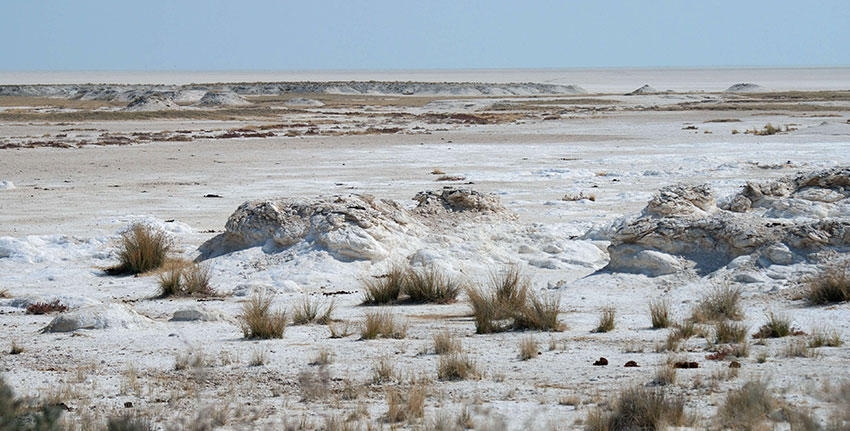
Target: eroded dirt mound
(152, 102)
(781, 221)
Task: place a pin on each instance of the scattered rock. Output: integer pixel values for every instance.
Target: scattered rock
(601, 362)
(101, 316)
(685, 364)
(631, 364)
(196, 313)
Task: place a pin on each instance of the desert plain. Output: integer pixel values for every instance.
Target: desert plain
(604, 200)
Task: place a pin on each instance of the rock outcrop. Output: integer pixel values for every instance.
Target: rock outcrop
(100, 316)
(781, 221)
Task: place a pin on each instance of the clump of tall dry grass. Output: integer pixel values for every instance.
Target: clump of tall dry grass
(639, 408)
(830, 285)
(142, 249)
(182, 278)
(259, 321)
(308, 310)
(719, 304)
(508, 303)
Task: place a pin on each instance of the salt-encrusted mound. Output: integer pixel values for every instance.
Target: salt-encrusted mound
(6, 185)
(304, 102)
(101, 316)
(348, 227)
(646, 89)
(222, 98)
(152, 102)
(781, 221)
(743, 87)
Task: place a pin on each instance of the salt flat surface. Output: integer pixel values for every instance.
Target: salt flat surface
(60, 223)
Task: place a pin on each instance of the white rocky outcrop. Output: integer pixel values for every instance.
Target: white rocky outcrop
(222, 98)
(780, 222)
(101, 316)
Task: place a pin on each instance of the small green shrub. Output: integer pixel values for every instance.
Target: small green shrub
(141, 249)
(659, 312)
(259, 321)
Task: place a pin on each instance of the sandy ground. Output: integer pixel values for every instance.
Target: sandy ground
(62, 210)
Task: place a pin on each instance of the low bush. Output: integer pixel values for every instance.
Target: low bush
(182, 278)
(777, 326)
(729, 332)
(259, 321)
(429, 285)
(142, 249)
(385, 288)
(746, 407)
(638, 408)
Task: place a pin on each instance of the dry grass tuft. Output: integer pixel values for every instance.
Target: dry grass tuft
(310, 311)
(385, 288)
(509, 304)
(259, 357)
(142, 249)
(16, 348)
(777, 326)
(382, 324)
(314, 383)
(606, 320)
(323, 357)
(129, 422)
(746, 407)
(445, 343)
(406, 405)
(258, 321)
(638, 408)
(798, 348)
(528, 348)
(825, 337)
(456, 366)
(182, 278)
(429, 285)
(729, 332)
(384, 370)
(830, 285)
(664, 375)
(659, 312)
(721, 303)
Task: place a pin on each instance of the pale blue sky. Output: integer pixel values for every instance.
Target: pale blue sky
(435, 34)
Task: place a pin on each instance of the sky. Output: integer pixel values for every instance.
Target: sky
(193, 35)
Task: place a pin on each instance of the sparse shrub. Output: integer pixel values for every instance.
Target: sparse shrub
(721, 303)
(384, 370)
(259, 357)
(729, 332)
(825, 337)
(339, 329)
(746, 407)
(606, 320)
(141, 249)
(659, 312)
(129, 422)
(314, 383)
(777, 326)
(638, 408)
(181, 278)
(798, 348)
(406, 405)
(323, 357)
(259, 321)
(830, 285)
(192, 358)
(528, 348)
(456, 366)
(310, 311)
(445, 342)
(509, 304)
(46, 307)
(664, 375)
(382, 324)
(681, 332)
(429, 285)
(385, 288)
